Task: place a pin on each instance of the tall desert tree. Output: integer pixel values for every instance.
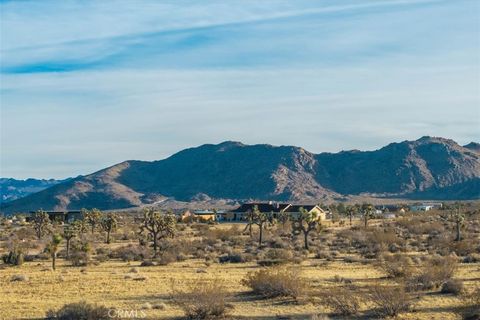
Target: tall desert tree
(304, 223)
(283, 218)
(456, 215)
(368, 210)
(262, 220)
(249, 217)
(109, 224)
(92, 217)
(158, 225)
(71, 231)
(53, 247)
(41, 222)
(351, 210)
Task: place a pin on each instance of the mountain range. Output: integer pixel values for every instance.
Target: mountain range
(13, 189)
(427, 168)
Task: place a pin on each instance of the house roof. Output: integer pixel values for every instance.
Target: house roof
(296, 207)
(262, 207)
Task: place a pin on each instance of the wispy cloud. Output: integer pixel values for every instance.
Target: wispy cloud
(92, 83)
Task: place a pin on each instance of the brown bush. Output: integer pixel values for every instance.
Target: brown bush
(396, 266)
(202, 300)
(434, 272)
(79, 310)
(390, 301)
(276, 282)
(452, 286)
(342, 301)
(131, 253)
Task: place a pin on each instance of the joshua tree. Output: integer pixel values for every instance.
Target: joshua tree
(262, 220)
(456, 216)
(283, 217)
(158, 225)
(70, 231)
(53, 248)
(351, 212)
(109, 223)
(92, 217)
(41, 222)
(304, 223)
(250, 216)
(368, 210)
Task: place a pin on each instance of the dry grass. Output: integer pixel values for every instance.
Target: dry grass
(112, 283)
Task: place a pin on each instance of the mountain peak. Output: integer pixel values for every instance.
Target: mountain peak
(430, 167)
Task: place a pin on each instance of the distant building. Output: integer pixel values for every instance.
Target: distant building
(425, 206)
(293, 210)
(61, 216)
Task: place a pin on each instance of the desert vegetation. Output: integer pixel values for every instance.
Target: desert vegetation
(416, 266)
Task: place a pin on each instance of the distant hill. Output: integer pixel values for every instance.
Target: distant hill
(428, 168)
(13, 189)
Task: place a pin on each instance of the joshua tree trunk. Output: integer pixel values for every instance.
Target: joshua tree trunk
(155, 246)
(260, 235)
(68, 248)
(108, 236)
(459, 235)
(366, 220)
(54, 260)
(350, 219)
(305, 234)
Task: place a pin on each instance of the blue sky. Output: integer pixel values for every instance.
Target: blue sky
(87, 84)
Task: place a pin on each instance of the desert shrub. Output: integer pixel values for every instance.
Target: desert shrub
(275, 256)
(147, 263)
(351, 259)
(452, 286)
(434, 272)
(202, 300)
(396, 266)
(235, 257)
(19, 277)
(342, 301)
(79, 258)
(279, 243)
(79, 311)
(472, 304)
(275, 282)
(15, 258)
(389, 301)
(130, 253)
(167, 258)
(278, 254)
(472, 258)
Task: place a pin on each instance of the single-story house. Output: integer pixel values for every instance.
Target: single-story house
(293, 210)
(61, 216)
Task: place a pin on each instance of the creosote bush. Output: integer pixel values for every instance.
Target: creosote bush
(342, 301)
(433, 273)
(396, 266)
(389, 301)
(202, 300)
(79, 311)
(453, 286)
(275, 282)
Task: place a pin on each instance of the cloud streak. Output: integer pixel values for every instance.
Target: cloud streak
(89, 84)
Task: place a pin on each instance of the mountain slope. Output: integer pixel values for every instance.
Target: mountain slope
(435, 168)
